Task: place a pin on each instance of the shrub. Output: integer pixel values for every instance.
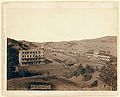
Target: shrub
(89, 69)
(94, 84)
(108, 75)
(87, 77)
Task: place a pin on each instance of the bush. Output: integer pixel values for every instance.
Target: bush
(87, 77)
(25, 73)
(12, 60)
(94, 84)
(82, 70)
(70, 74)
(108, 75)
(89, 69)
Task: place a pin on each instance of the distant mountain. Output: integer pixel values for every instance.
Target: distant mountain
(112, 39)
(108, 43)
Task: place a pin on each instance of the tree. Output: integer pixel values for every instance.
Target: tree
(84, 70)
(80, 70)
(12, 61)
(89, 69)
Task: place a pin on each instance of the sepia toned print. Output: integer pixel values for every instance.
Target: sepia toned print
(67, 46)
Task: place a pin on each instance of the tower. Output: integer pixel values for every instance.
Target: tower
(20, 57)
(42, 57)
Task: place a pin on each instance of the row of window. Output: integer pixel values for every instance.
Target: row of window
(24, 56)
(31, 63)
(31, 52)
(31, 59)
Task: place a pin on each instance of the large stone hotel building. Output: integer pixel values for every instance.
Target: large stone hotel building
(32, 57)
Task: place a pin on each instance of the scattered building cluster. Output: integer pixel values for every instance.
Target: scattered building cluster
(98, 54)
(69, 52)
(36, 56)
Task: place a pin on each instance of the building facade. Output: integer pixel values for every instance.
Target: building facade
(98, 54)
(32, 57)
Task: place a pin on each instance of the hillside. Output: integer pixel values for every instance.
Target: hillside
(65, 71)
(13, 47)
(108, 43)
(81, 46)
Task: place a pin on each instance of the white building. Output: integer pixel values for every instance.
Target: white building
(31, 57)
(98, 54)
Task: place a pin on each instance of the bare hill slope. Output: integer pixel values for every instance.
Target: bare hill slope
(108, 43)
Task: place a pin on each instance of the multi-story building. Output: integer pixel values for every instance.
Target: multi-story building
(99, 54)
(32, 57)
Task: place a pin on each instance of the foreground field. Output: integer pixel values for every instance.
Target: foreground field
(57, 83)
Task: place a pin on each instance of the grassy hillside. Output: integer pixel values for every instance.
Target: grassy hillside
(104, 43)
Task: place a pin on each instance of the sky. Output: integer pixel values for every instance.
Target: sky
(60, 21)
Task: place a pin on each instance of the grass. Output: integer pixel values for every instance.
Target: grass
(57, 84)
(52, 68)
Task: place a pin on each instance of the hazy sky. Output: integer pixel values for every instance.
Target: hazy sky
(60, 22)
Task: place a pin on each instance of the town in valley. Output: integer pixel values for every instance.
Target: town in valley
(83, 65)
